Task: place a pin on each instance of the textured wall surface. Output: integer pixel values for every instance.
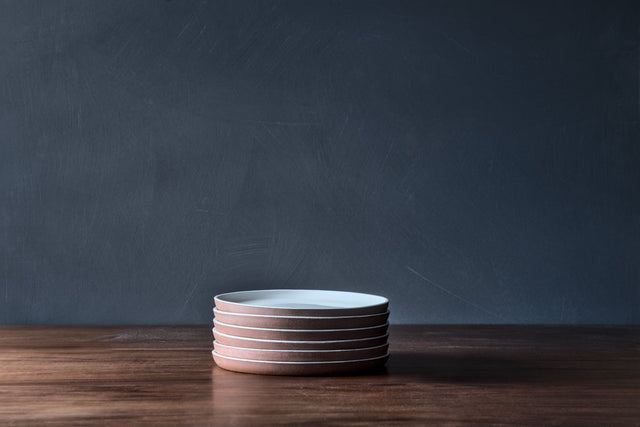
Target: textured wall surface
(474, 161)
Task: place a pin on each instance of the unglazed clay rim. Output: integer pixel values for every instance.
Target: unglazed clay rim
(303, 351)
(319, 343)
(385, 324)
(300, 322)
(382, 301)
(215, 310)
(329, 362)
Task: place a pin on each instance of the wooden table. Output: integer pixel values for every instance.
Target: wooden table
(533, 375)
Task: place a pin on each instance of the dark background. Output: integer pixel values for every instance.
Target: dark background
(474, 161)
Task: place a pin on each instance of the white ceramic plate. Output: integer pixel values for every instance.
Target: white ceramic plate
(301, 302)
(298, 345)
(301, 335)
(297, 368)
(300, 322)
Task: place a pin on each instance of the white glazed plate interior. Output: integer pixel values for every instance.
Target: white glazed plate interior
(300, 299)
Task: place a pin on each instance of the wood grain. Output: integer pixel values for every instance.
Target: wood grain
(517, 375)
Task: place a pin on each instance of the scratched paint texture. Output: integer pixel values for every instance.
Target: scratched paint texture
(474, 161)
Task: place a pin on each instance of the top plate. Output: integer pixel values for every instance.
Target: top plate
(301, 302)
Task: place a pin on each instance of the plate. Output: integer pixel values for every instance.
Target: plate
(297, 368)
(298, 345)
(300, 334)
(301, 302)
(300, 355)
(300, 322)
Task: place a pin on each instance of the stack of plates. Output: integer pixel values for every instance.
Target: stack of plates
(300, 332)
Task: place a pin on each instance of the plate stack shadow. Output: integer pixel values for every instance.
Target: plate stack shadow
(300, 332)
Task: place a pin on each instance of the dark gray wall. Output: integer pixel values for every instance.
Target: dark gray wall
(474, 161)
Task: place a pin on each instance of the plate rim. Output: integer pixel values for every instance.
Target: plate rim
(329, 362)
(273, 316)
(215, 331)
(386, 324)
(302, 351)
(220, 297)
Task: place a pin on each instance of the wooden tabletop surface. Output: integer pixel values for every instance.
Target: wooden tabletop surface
(520, 375)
